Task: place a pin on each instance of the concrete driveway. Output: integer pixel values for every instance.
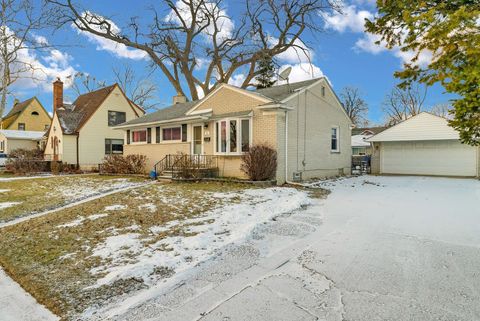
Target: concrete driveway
(379, 248)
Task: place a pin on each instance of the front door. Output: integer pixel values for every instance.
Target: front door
(197, 140)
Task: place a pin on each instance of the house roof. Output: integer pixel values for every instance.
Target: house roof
(171, 112)
(282, 92)
(19, 107)
(73, 116)
(275, 93)
(360, 140)
(22, 134)
(374, 130)
(421, 127)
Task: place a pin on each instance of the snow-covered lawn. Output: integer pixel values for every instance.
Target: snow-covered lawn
(81, 257)
(24, 197)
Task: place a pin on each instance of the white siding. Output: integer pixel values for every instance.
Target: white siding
(96, 130)
(309, 134)
(423, 126)
(444, 158)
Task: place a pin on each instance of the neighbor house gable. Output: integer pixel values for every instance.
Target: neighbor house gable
(424, 126)
(22, 113)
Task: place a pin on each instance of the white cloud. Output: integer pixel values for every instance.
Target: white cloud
(296, 54)
(350, 19)
(301, 71)
(103, 44)
(353, 20)
(38, 69)
(237, 80)
(210, 9)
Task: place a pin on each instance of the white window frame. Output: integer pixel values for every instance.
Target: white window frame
(138, 130)
(162, 139)
(337, 128)
(239, 136)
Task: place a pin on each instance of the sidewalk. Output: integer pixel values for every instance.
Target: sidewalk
(18, 305)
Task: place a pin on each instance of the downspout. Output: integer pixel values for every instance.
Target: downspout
(286, 146)
(78, 156)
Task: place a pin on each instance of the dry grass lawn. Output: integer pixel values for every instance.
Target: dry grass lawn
(23, 197)
(51, 256)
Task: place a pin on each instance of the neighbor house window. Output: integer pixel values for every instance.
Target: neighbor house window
(172, 133)
(47, 126)
(359, 151)
(232, 136)
(334, 140)
(21, 126)
(35, 113)
(116, 118)
(113, 146)
(139, 136)
(2, 146)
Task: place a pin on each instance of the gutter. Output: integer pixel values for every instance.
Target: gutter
(78, 155)
(175, 120)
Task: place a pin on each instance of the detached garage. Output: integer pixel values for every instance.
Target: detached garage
(423, 145)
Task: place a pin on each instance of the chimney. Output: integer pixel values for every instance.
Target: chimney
(15, 102)
(179, 99)
(57, 94)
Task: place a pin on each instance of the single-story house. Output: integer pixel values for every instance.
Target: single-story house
(19, 139)
(360, 145)
(304, 122)
(27, 115)
(423, 145)
(82, 133)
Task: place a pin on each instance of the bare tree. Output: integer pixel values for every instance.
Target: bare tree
(402, 103)
(141, 90)
(199, 32)
(443, 110)
(19, 19)
(82, 83)
(355, 106)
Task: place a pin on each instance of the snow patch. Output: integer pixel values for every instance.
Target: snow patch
(149, 207)
(116, 207)
(76, 222)
(5, 205)
(128, 257)
(4, 190)
(96, 216)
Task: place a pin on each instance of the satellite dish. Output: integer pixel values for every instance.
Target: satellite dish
(284, 74)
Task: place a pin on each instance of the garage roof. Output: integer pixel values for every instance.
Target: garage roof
(424, 126)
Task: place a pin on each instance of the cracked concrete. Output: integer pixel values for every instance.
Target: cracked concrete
(399, 249)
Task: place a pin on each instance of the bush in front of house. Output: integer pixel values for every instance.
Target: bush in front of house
(119, 164)
(260, 163)
(24, 161)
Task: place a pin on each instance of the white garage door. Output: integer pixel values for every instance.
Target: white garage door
(444, 157)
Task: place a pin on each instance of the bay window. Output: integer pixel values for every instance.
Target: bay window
(139, 136)
(232, 136)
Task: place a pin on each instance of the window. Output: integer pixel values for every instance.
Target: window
(173, 133)
(232, 136)
(113, 146)
(359, 151)
(245, 135)
(47, 126)
(21, 126)
(323, 91)
(116, 117)
(335, 135)
(2, 146)
(157, 135)
(139, 136)
(35, 113)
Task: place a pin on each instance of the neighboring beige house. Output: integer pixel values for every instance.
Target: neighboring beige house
(304, 122)
(82, 132)
(27, 115)
(360, 145)
(423, 145)
(19, 139)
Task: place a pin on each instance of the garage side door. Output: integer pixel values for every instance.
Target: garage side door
(446, 158)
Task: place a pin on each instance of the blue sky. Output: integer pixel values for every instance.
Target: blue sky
(344, 53)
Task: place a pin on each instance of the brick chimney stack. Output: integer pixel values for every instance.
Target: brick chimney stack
(57, 94)
(179, 99)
